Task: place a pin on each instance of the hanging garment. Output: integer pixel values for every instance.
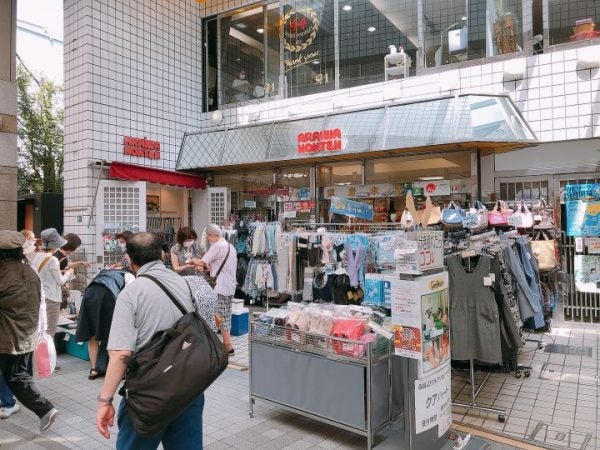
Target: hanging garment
(532, 276)
(474, 312)
(356, 259)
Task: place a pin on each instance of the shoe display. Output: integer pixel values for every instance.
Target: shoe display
(48, 419)
(7, 411)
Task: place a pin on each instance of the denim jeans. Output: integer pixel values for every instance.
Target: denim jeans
(6, 396)
(185, 432)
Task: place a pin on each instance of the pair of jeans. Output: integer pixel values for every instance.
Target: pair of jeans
(20, 382)
(7, 400)
(185, 432)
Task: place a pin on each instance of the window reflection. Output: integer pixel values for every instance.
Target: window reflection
(504, 26)
(367, 30)
(573, 20)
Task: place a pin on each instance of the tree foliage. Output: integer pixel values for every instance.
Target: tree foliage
(40, 132)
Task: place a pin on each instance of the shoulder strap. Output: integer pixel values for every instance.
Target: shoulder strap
(44, 262)
(224, 261)
(169, 294)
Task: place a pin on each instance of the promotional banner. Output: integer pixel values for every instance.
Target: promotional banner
(351, 208)
(587, 269)
(583, 209)
(365, 191)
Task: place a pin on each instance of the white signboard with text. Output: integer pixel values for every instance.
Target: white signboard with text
(433, 402)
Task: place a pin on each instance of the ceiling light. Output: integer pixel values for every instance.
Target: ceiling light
(463, 18)
(260, 30)
(371, 29)
(347, 8)
(241, 25)
(431, 178)
(316, 61)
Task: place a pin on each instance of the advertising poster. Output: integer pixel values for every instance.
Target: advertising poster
(587, 278)
(583, 209)
(593, 245)
(406, 319)
(351, 208)
(433, 402)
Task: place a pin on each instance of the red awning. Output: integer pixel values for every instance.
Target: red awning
(132, 172)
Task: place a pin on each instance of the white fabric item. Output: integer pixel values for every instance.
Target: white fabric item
(51, 277)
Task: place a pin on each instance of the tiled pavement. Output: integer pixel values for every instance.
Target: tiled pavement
(554, 407)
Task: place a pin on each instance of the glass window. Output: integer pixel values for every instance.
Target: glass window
(309, 48)
(242, 54)
(573, 20)
(505, 32)
(211, 100)
(367, 29)
(339, 174)
(454, 31)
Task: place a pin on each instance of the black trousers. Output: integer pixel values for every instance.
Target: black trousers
(20, 382)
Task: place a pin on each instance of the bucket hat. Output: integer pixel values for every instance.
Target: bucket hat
(9, 240)
(51, 239)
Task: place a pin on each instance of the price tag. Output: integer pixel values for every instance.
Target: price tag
(487, 281)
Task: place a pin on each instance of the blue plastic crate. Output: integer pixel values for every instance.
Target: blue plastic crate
(239, 322)
(77, 349)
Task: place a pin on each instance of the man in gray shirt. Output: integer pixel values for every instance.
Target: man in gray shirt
(141, 310)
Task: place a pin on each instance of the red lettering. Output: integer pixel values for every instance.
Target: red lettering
(337, 133)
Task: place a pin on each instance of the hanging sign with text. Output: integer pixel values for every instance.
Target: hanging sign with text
(351, 208)
(583, 209)
(433, 402)
(320, 141)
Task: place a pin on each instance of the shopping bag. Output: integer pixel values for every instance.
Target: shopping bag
(545, 250)
(410, 216)
(44, 356)
(476, 217)
(522, 217)
(500, 214)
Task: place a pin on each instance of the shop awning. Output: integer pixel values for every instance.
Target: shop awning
(132, 172)
(485, 122)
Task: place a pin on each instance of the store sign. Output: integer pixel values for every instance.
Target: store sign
(300, 29)
(587, 273)
(141, 147)
(299, 206)
(583, 209)
(351, 208)
(320, 141)
(365, 191)
(434, 188)
(249, 204)
(433, 402)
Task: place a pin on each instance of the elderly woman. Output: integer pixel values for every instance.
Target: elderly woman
(185, 249)
(205, 300)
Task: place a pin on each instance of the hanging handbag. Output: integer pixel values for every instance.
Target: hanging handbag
(452, 215)
(499, 215)
(476, 217)
(164, 377)
(545, 250)
(522, 217)
(544, 216)
(212, 281)
(431, 215)
(410, 216)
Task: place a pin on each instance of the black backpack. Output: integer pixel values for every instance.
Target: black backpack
(168, 373)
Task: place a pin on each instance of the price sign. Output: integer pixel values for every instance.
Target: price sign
(433, 402)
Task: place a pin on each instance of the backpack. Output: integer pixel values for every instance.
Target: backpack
(168, 373)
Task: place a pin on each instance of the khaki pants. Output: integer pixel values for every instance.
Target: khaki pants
(52, 313)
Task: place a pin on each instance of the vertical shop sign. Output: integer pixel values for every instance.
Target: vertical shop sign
(583, 209)
(433, 402)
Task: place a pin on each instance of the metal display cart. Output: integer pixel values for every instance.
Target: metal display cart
(345, 383)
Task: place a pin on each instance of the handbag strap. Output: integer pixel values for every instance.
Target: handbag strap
(170, 294)
(43, 263)
(224, 261)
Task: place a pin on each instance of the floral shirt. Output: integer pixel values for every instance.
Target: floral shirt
(205, 299)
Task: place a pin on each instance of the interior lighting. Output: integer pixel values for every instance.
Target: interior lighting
(371, 29)
(241, 25)
(260, 30)
(463, 18)
(316, 61)
(347, 8)
(431, 178)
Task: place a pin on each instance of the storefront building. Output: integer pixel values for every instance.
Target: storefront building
(280, 105)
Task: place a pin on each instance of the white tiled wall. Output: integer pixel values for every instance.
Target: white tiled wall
(131, 69)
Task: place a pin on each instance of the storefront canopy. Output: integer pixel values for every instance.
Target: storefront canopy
(489, 123)
(132, 172)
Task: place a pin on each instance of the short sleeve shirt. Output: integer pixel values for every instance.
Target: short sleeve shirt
(214, 257)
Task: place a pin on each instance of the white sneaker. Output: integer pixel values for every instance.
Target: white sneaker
(7, 411)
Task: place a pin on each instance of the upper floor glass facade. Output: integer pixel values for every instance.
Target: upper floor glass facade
(290, 48)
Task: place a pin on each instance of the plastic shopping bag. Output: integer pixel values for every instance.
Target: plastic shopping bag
(44, 356)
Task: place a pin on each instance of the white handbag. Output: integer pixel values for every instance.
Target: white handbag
(522, 217)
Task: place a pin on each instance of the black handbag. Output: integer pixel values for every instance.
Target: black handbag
(212, 281)
(171, 371)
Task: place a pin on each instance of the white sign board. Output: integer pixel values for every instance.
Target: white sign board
(434, 188)
(433, 402)
(429, 253)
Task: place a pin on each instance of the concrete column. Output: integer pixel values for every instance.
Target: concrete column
(8, 115)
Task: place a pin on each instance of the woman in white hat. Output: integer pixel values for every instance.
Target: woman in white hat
(48, 268)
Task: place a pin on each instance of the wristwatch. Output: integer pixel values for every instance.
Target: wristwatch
(106, 401)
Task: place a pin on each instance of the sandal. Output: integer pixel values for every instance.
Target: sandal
(94, 374)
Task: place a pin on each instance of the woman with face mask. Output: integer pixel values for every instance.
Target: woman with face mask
(122, 239)
(185, 249)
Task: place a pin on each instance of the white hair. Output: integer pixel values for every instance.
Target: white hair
(213, 230)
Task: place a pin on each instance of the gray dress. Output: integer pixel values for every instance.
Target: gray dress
(474, 315)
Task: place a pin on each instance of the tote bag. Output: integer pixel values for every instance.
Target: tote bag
(544, 216)
(545, 251)
(452, 215)
(431, 215)
(410, 216)
(499, 215)
(476, 217)
(522, 217)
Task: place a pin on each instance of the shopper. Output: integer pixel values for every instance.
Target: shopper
(221, 255)
(20, 296)
(142, 309)
(185, 249)
(62, 254)
(205, 300)
(122, 239)
(96, 313)
(52, 278)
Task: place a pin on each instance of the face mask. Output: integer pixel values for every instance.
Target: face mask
(123, 246)
(189, 243)
(242, 77)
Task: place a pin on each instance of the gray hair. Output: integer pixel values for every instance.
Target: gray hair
(213, 230)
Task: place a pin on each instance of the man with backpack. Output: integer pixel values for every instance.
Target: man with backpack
(142, 309)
